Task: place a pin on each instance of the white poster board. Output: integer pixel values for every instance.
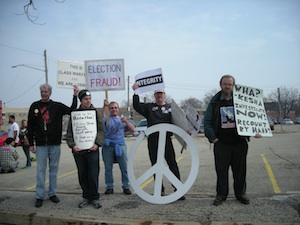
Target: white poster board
(250, 113)
(84, 126)
(149, 81)
(70, 74)
(102, 75)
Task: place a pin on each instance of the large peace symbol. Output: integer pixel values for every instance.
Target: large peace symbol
(160, 169)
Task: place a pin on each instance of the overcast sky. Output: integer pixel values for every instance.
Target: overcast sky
(195, 42)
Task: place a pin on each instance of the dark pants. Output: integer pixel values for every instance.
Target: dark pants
(88, 174)
(27, 153)
(234, 155)
(169, 153)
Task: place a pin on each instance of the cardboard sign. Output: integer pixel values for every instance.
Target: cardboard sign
(102, 75)
(249, 110)
(70, 74)
(84, 126)
(149, 81)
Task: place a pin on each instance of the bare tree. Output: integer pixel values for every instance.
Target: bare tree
(196, 103)
(208, 96)
(288, 99)
(30, 6)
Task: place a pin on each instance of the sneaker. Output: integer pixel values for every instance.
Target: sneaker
(54, 199)
(243, 199)
(218, 200)
(83, 203)
(126, 191)
(109, 191)
(25, 167)
(38, 203)
(97, 204)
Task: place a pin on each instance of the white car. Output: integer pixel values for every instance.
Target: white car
(141, 126)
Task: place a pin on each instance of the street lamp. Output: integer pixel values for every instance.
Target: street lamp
(45, 70)
(46, 75)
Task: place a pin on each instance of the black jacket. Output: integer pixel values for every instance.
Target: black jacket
(52, 134)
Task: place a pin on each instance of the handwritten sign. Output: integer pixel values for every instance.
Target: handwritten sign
(251, 117)
(149, 81)
(70, 74)
(102, 75)
(84, 128)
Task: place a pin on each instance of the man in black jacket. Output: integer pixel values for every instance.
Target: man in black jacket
(44, 131)
(230, 149)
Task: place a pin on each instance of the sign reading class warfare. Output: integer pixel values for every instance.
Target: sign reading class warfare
(104, 75)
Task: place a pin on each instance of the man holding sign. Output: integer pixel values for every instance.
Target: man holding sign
(155, 113)
(230, 148)
(84, 136)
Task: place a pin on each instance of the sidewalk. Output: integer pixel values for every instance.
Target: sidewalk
(17, 207)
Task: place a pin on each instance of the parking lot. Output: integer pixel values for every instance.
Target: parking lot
(273, 186)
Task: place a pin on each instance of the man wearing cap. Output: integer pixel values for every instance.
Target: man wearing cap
(155, 113)
(44, 131)
(87, 160)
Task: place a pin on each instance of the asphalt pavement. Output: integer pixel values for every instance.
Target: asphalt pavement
(267, 206)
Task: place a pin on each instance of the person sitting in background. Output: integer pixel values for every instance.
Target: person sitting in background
(8, 156)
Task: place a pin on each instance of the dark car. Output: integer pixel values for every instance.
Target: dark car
(297, 121)
(127, 132)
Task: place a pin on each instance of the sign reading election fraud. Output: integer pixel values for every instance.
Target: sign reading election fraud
(70, 74)
(102, 75)
(84, 127)
(251, 117)
(149, 81)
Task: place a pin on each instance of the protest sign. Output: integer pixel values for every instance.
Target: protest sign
(84, 126)
(149, 81)
(249, 110)
(70, 74)
(103, 75)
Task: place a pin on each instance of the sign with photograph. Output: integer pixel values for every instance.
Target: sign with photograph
(103, 75)
(84, 126)
(249, 110)
(70, 74)
(149, 81)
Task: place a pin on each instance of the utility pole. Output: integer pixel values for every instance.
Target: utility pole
(279, 104)
(46, 68)
(128, 105)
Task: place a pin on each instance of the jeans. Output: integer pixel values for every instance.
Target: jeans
(88, 173)
(43, 153)
(108, 154)
(27, 153)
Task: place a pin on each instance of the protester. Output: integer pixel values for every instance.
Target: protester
(155, 113)
(25, 143)
(13, 129)
(87, 160)
(230, 149)
(8, 156)
(115, 147)
(45, 130)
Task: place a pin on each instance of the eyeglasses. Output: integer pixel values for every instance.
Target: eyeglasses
(113, 107)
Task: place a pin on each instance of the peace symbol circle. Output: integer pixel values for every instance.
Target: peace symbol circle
(160, 169)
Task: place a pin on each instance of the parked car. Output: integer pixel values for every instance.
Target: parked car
(297, 121)
(141, 126)
(271, 122)
(3, 136)
(287, 121)
(127, 132)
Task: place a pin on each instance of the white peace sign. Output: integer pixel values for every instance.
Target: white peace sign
(160, 169)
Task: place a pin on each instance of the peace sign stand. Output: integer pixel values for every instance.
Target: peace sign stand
(160, 169)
